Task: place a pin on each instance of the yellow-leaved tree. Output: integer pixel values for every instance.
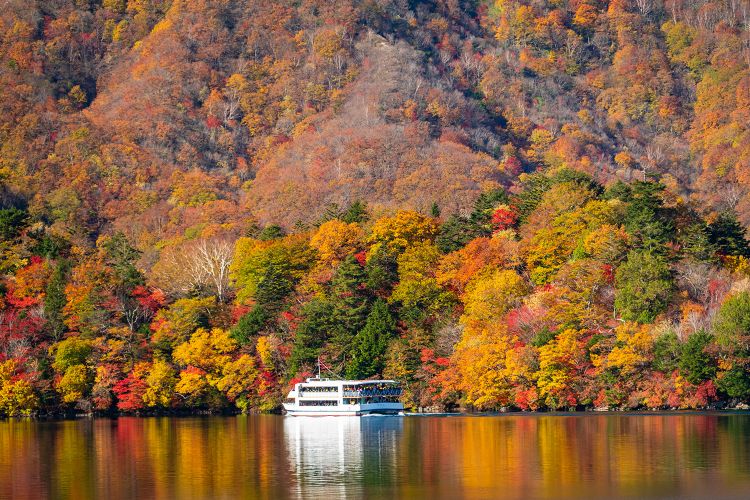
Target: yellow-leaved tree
(17, 396)
(334, 240)
(203, 357)
(402, 230)
(486, 360)
(558, 364)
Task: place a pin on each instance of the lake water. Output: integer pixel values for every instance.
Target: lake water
(270, 456)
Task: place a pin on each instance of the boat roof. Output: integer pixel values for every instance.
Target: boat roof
(328, 381)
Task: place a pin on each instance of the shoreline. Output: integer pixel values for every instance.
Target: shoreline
(738, 410)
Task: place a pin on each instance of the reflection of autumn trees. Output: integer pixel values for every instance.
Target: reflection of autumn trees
(548, 457)
(560, 456)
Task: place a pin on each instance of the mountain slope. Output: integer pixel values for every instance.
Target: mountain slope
(318, 103)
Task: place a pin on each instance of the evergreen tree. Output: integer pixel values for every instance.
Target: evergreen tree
(271, 232)
(728, 235)
(435, 210)
(381, 270)
(121, 257)
(696, 365)
(370, 344)
(275, 285)
(332, 211)
(457, 231)
(667, 350)
(454, 234)
(311, 334)
(732, 331)
(644, 287)
(351, 300)
(50, 246)
(735, 383)
(582, 179)
(481, 217)
(250, 325)
(696, 242)
(55, 299)
(357, 212)
(732, 323)
(273, 288)
(534, 186)
(646, 217)
(618, 191)
(12, 221)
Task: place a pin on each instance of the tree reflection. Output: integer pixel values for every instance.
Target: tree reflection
(378, 457)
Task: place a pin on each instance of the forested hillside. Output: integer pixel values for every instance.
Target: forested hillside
(510, 204)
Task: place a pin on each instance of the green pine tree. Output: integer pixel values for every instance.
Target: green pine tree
(55, 299)
(454, 234)
(735, 383)
(457, 231)
(351, 300)
(381, 270)
(435, 210)
(271, 232)
(250, 325)
(332, 211)
(732, 323)
(311, 334)
(49, 246)
(666, 352)
(275, 285)
(121, 257)
(12, 221)
(696, 365)
(646, 218)
(357, 212)
(644, 287)
(481, 217)
(728, 235)
(535, 185)
(696, 242)
(370, 344)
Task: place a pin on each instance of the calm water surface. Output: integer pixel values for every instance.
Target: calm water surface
(268, 456)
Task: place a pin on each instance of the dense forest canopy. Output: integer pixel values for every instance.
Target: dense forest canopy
(509, 204)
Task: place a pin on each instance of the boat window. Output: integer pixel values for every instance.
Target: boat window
(377, 389)
(302, 402)
(325, 388)
(378, 399)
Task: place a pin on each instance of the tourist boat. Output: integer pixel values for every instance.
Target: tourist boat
(319, 397)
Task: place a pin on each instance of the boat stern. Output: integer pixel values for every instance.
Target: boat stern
(290, 402)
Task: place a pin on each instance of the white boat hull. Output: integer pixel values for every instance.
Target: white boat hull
(380, 409)
(346, 398)
(295, 413)
(306, 413)
(354, 411)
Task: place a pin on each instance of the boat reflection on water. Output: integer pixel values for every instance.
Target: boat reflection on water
(343, 457)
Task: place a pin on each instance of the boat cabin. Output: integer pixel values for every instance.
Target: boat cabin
(318, 396)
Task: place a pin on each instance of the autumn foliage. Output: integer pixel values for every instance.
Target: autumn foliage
(506, 204)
